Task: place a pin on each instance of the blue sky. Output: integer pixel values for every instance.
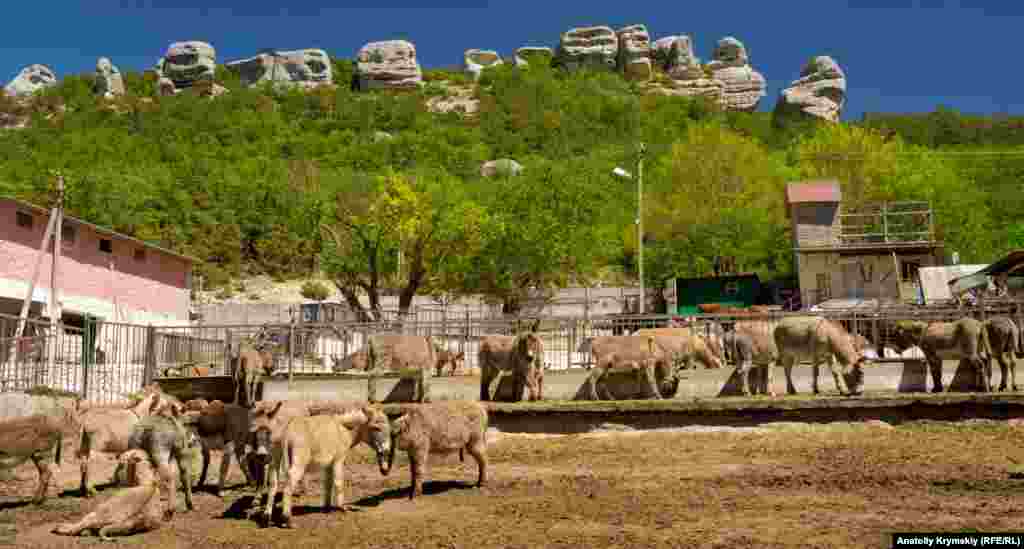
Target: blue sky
(899, 55)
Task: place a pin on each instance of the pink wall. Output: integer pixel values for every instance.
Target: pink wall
(156, 284)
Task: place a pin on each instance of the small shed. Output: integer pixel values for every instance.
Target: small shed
(741, 290)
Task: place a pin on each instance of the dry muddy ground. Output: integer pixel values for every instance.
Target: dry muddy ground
(836, 485)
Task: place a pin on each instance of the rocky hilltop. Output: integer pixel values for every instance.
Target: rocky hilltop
(667, 66)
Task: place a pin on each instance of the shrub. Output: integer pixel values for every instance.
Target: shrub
(315, 290)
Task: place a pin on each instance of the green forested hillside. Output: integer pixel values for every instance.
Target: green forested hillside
(283, 183)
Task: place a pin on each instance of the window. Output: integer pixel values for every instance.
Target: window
(24, 220)
(140, 254)
(67, 235)
(824, 286)
(106, 245)
(908, 270)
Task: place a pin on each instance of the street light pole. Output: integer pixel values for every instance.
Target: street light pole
(640, 223)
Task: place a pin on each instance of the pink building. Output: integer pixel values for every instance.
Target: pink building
(102, 273)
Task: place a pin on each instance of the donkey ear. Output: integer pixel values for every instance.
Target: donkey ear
(275, 410)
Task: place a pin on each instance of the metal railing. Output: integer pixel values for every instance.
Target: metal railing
(110, 361)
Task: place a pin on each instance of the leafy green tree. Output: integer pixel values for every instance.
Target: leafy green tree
(426, 218)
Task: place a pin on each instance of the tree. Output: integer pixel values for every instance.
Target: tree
(718, 193)
(863, 160)
(554, 225)
(425, 216)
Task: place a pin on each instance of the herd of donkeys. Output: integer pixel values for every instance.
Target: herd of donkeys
(276, 442)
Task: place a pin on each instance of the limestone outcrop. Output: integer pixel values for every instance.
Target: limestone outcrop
(534, 55)
(744, 87)
(635, 52)
(820, 91)
(475, 61)
(590, 47)
(390, 64)
(109, 81)
(30, 80)
(674, 55)
(184, 65)
(501, 167)
(309, 68)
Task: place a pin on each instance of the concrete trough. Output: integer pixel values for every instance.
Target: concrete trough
(907, 377)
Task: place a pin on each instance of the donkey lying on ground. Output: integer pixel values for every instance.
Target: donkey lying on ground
(38, 437)
(440, 428)
(106, 428)
(965, 339)
(322, 440)
(817, 339)
(131, 511)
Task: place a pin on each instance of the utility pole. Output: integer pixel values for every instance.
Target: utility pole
(55, 308)
(639, 222)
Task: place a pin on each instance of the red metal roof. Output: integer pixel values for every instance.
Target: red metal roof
(813, 191)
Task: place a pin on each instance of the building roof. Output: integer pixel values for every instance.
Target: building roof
(1013, 263)
(935, 280)
(101, 230)
(813, 191)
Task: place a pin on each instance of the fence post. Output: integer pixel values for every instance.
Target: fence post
(149, 371)
(875, 333)
(291, 351)
(88, 350)
(227, 353)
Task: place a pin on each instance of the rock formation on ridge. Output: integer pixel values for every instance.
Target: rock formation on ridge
(30, 80)
(533, 55)
(109, 81)
(635, 52)
(475, 61)
(390, 64)
(591, 47)
(307, 68)
(820, 91)
(744, 87)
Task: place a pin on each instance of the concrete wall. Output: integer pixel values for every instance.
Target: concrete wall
(146, 290)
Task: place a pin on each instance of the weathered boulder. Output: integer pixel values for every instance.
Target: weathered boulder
(675, 56)
(820, 91)
(744, 87)
(308, 68)
(591, 47)
(635, 52)
(31, 79)
(501, 167)
(475, 61)
(535, 56)
(390, 64)
(184, 65)
(109, 81)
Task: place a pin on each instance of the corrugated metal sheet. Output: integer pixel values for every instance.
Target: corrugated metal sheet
(935, 280)
(813, 191)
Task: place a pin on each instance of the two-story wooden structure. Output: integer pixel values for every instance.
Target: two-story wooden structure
(105, 274)
(864, 251)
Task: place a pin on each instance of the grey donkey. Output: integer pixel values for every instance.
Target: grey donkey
(164, 435)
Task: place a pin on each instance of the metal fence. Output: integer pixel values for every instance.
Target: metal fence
(110, 361)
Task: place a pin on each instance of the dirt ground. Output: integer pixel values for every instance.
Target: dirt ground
(838, 486)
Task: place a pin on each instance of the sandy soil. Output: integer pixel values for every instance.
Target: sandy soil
(790, 486)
